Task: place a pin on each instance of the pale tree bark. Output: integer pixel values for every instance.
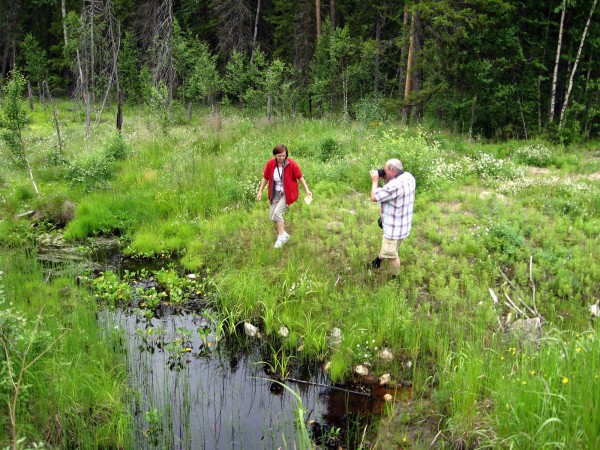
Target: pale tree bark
(318, 17)
(472, 121)
(30, 95)
(574, 70)
(63, 10)
(403, 51)
(409, 72)
(54, 114)
(113, 38)
(255, 29)
(556, 62)
(417, 79)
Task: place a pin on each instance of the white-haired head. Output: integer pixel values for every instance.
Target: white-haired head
(395, 164)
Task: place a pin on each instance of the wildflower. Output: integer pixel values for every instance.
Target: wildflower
(532, 372)
(578, 350)
(565, 380)
(188, 350)
(524, 382)
(507, 406)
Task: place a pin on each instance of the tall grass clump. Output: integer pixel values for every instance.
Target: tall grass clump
(70, 367)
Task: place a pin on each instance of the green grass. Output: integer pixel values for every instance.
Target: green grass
(481, 212)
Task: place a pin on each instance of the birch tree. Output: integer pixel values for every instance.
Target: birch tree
(574, 69)
(556, 61)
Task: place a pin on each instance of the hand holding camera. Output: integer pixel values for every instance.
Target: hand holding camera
(377, 174)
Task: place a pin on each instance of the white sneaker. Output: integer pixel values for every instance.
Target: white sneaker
(281, 240)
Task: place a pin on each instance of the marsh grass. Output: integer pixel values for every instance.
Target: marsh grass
(480, 212)
(81, 372)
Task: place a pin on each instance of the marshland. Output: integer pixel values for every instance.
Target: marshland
(143, 304)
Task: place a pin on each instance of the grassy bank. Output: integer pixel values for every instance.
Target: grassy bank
(519, 218)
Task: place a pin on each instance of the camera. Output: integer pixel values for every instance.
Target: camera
(381, 173)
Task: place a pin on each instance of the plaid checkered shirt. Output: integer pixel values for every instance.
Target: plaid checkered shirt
(397, 199)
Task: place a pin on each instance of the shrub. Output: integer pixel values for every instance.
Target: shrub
(370, 109)
(489, 168)
(91, 169)
(329, 148)
(116, 148)
(535, 155)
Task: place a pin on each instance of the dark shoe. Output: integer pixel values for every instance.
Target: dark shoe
(375, 264)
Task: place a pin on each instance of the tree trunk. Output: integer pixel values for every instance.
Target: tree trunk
(570, 86)
(403, 53)
(255, 29)
(332, 13)
(539, 102)
(377, 51)
(409, 73)
(472, 122)
(63, 10)
(417, 79)
(92, 56)
(54, 114)
(171, 77)
(119, 111)
(30, 95)
(586, 125)
(269, 106)
(557, 60)
(318, 13)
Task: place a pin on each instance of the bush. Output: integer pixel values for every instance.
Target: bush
(116, 148)
(370, 109)
(329, 148)
(490, 168)
(93, 170)
(55, 158)
(534, 155)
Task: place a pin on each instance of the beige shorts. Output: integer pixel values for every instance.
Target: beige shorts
(278, 208)
(389, 248)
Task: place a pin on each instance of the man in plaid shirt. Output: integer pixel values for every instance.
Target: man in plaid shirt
(397, 199)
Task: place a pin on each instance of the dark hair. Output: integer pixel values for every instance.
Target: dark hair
(280, 149)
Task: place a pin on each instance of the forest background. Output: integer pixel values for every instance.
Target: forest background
(493, 69)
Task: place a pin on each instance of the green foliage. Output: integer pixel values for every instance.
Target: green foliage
(205, 81)
(130, 78)
(536, 155)
(505, 242)
(14, 117)
(93, 170)
(330, 149)
(156, 99)
(370, 110)
(36, 60)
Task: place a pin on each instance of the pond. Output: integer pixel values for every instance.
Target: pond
(196, 388)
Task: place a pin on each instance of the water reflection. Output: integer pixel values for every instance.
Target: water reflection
(217, 397)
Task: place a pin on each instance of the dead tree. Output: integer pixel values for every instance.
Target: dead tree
(54, 114)
(112, 38)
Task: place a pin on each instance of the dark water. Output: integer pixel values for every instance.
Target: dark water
(219, 395)
(193, 389)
